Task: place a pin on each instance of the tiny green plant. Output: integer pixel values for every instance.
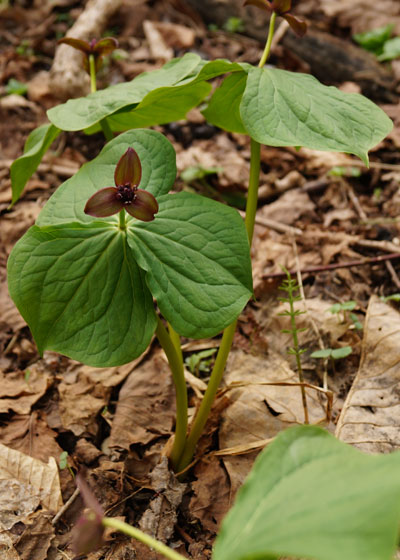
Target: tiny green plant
(380, 42)
(200, 362)
(16, 87)
(291, 287)
(342, 310)
(332, 354)
(64, 464)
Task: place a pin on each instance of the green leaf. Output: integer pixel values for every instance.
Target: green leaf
(324, 353)
(81, 113)
(281, 108)
(197, 260)
(312, 496)
(36, 145)
(375, 39)
(82, 293)
(16, 87)
(343, 352)
(161, 106)
(152, 98)
(224, 107)
(158, 174)
(391, 49)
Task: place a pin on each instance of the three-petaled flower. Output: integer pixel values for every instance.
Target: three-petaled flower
(281, 8)
(94, 48)
(89, 531)
(125, 195)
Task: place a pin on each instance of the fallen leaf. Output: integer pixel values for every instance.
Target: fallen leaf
(146, 404)
(41, 478)
(289, 207)
(370, 419)
(36, 538)
(19, 390)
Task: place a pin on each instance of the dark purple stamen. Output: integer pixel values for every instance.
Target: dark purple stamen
(126, 194)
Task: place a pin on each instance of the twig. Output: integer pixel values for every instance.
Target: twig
(393, 274)
(65, 507)
(326, 267)
(277, 226)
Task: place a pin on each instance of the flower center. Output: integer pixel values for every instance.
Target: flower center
(126, 194)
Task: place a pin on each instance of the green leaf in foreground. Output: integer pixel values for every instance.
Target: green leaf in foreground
(281, 108)
(312, 496)
(82, 293)
(197, 260)
(36, 145)
(158, 175)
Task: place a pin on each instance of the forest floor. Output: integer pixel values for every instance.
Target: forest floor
(324, 216)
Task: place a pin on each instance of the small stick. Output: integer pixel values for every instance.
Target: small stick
(277, 226)
(393, 274)
(326, 267)
(65, 507)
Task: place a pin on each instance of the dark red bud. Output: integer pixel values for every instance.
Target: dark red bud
(79, 44)
(128, 170)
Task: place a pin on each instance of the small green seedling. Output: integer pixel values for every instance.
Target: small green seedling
(63, 463)
(198, 363)
(234, 25)
(344, 171)
(342, 309)
(332, 354)
(380, 42)
(392, 297)
(15, 87)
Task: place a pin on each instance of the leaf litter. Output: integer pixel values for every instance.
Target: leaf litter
(116, 422)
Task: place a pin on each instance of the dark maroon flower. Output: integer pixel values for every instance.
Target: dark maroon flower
(89, 530)
(125, 195)
(96, 48)
(281, 8)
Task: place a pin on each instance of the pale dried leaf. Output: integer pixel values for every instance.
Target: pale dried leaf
(19, 394)
(7, 550)
(29, 471)
(370, 419)
(288, 208)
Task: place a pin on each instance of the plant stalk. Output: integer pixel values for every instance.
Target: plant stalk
(105, 127)
(142, 537)
(122, 221)
(176, 364)
(298, 360)
(227, 337)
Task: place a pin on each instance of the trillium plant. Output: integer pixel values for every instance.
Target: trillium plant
(114, 258)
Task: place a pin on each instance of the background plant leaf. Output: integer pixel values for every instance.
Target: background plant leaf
(311, 496)
(228, 95)
(36, 145)
(197, 260)
(158, 175)
(281, 108)
(82, 293)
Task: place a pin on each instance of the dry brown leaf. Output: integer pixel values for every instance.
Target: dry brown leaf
(258, 411)
(363, 15)
(19, 394)
(7, 550)
(30, 434)
(158, 47)
(370, 419)
(36, 539)
(146, 404)
(288, 208)
(212, 494)
(41, 478)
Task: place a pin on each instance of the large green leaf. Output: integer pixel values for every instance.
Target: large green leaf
(163, 105)
(197, 260)
(82, 293)
(311, 496)
(141, 95)
(158, 175)
(282, 108)
(223, 109)
(36, 145)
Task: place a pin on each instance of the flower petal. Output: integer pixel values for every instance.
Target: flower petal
(79, 44)
(103, 203)
(281, 6)
(143, 207)
(128, 170)
(87, 534)
(263, 4)
(105, 46)
(298, 25)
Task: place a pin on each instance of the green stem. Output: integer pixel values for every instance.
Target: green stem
(105, 127)
(297, 354)
(122, 222)
(209, 396)
(227, 338)
(142, 537)
(176, 340)
(92, 70)
(176, 365)
(268, 44)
